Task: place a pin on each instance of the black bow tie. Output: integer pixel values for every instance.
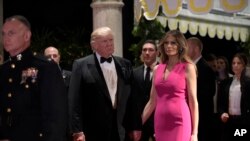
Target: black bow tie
(106, 59)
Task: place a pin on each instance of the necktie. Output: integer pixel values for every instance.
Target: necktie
(147, 76)
(106, 59)
(147, 82)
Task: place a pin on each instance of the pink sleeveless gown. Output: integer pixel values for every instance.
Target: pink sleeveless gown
(172, 114)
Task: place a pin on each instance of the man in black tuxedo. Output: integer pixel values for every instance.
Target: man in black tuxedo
(100, 94)
(205, 89)
(143, 84)
(53, 53)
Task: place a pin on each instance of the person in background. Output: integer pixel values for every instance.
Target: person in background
(216, 124)
(222, 74)
(222, 69)
(32, 93)
(100, 96)
(53, 53)
(234, 107)
(206, 89)
(173, 93)
(143, 81)
(212, 62)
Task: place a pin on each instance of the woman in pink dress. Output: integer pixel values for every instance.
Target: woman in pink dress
(173, 93)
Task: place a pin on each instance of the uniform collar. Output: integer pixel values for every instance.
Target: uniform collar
(21, 55)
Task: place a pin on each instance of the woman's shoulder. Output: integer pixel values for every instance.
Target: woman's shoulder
(160, 65)
(156, 67)
(189, 66)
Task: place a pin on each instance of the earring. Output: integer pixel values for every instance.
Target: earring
(180, 50)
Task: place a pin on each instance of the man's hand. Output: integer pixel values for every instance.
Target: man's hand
(135, 135)
(224, 117)
(79, 136)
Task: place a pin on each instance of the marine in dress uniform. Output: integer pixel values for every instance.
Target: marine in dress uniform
(33, 100)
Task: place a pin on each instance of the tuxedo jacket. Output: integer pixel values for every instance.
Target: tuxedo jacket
(91, 109)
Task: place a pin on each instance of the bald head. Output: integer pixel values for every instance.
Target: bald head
(52, 53)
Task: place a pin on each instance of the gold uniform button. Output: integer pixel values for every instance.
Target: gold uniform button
(40, 134)
(9, 95)
(10, 80)
(13, 66)
(27, 86)
(8, 110)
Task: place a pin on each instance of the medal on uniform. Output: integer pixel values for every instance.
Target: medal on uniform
(19, 57)
(29, 73)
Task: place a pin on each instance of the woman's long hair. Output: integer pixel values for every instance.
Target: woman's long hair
(181, 44)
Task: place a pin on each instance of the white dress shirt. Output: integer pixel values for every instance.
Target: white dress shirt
(151, 71)
(234, 97)
(110, 76)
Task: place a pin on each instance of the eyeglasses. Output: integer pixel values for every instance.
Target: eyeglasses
(52, 55)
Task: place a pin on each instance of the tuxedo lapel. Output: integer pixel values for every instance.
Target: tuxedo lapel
(124, 75)
(119, 89)
(96, 72)
(119, 79)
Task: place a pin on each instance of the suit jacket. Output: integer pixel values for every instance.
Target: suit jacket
(245, 89)
(66, 77)
(205, 89)
(142, 92)
(223, 96)
(32, 106)
(90, 104)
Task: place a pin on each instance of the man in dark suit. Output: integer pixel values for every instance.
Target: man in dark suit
(32, 92)
(205, 89)
(100, 93)
(53, 53)
(143, 84)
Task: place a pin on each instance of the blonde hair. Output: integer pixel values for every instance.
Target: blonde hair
(99, 32)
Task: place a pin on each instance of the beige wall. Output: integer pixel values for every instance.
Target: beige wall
(109, 13)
